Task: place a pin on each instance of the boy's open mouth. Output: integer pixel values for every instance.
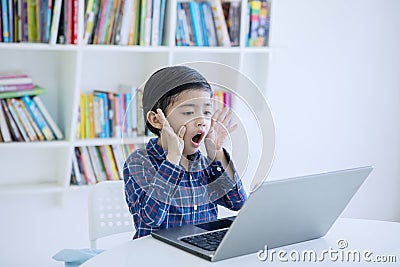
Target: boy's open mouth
(196, 140)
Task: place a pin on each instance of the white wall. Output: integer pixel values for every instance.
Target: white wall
(334, 93)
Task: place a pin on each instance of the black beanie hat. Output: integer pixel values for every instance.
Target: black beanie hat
(166, 79)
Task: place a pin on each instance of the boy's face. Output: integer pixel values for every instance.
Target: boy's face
(194, 109)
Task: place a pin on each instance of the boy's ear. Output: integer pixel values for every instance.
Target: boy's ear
(153, 120)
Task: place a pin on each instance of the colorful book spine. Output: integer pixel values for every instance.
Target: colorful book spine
(113, 166)
(86, 166)
(89, 20)
(106, 162)
(98, 164)
(4, 17)
(14, 94)
(195, 23)
(24, 119)
(31, 121)
(220, 23)
(4, 129)
(38, 118)
(255, 7)
(17, 120)
(55, 22)
(16, 87)
(155, 22)
(56, 131)
(12, 125)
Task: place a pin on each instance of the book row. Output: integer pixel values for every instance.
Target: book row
(44, 21)
(93, 164)
(207, 23)
(26, 119)
(124, 22)
(133, 22)
(105, 114)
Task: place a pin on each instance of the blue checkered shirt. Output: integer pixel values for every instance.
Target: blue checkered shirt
(162, 195)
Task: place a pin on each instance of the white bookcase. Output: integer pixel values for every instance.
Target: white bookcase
(66, 70)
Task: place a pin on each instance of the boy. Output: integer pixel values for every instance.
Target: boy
(170, 183)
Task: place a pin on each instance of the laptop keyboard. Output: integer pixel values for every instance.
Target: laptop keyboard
(208, 241)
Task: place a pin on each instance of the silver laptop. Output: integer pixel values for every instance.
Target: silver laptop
(278, 213)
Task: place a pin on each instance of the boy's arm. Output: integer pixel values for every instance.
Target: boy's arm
(148, 191)
(226, 183)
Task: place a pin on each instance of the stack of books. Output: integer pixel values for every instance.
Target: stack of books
(23, 116)
(124, 22)
(94, 164)
(207, 23)
(38, 21)
(107, 114)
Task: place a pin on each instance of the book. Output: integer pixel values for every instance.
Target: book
(12, 125)
(15, 80)
(79, 168)
(4, 18)
(55, 21)
(161, 22)
(14, 94)
(76, 170)
(99, 171)
(106, 162)
(31, 121)
(38, 118)
(155, 26)
(4, 129)
(94, 164)
(195, 19)
(209, 22)
(87, 166)
(53, 126)
(119, 159)
(140, 119)
(127, 14)
(89, 20)
(227, 99)
(18, 121)
(117, 121)
(48, 9)
(114, 170)
(16, 87)
(188, 25)
(27, 127)
(115, 36)
(219, 98)
(255, 7)
(220, 23)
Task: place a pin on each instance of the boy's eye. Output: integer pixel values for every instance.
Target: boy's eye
(187, 113)
(208, 113)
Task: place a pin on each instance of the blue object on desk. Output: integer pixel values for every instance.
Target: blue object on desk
(75, 257)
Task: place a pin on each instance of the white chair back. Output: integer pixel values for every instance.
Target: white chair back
(108, 211)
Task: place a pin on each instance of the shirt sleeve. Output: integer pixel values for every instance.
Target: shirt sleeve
(227, 191)
(148, 190)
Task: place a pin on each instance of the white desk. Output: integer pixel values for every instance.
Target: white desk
(381, 238)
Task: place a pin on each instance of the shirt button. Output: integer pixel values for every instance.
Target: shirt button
(219, 169)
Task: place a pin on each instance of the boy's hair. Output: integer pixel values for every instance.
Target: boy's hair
(165, 85)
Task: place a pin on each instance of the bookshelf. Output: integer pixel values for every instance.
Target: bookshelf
(67, 70)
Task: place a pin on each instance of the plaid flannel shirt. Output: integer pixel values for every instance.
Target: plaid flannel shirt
(162, 195)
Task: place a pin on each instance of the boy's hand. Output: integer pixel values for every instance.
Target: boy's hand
(219, 131)
(171, 142)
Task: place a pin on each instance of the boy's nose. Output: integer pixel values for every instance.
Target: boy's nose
(200, 121)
